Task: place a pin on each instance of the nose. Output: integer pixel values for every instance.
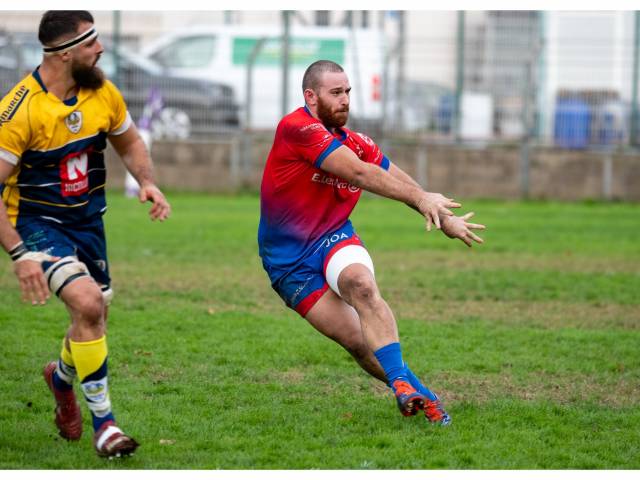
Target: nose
(99, 47)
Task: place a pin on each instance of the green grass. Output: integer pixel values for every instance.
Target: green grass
(532, 339)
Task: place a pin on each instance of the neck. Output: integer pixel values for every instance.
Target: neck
(60, 83)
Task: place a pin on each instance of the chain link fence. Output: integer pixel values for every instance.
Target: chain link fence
(527, 80)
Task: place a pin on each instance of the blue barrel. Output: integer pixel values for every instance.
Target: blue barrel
(572, 127)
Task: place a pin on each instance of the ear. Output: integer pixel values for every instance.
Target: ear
(66, 56)
(310, 97)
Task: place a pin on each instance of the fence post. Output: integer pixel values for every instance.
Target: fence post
(234, 163)
(422, 162)
(459, 77)
(286, 39)
(633, 136)
(117, 25)
(607, 176)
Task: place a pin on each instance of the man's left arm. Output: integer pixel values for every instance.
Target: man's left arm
(136, 158)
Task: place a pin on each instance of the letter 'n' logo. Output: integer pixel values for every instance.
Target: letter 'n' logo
(74, 170)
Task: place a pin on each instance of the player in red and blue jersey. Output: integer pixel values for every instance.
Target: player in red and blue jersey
(313, 178)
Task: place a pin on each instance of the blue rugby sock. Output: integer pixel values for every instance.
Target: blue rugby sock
(390, 358)
(417, 384)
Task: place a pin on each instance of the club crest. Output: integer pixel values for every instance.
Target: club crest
(74, 122)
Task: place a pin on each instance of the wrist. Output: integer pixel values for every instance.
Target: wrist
(18, 251)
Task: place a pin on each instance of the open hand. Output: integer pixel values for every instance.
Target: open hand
(33, 285)
(458, 227)
(432, 205)
(160, 209)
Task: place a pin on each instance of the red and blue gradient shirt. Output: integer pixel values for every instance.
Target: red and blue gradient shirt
(300, 204)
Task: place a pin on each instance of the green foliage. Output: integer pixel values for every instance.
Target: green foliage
(531, 339)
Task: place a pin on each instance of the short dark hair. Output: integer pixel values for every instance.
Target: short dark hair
(311, 78)
(58, 23)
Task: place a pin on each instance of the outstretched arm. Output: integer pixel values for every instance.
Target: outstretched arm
(135, 157)
(452, 226)
(345, 164)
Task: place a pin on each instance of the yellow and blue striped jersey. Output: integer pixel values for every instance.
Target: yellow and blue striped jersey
(56, 148)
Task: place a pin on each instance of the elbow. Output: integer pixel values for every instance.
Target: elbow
(360, 177)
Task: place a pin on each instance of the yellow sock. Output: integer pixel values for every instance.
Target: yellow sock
(65, 370)
(89, 357)
(91, 364)
(65, 354)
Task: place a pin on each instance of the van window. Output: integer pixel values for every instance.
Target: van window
(188, 52)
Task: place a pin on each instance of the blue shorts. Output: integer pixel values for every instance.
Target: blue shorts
(86, 242)
(302, 286)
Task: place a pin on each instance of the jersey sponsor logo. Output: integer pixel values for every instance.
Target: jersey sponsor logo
(74, 121)
(334, 181)
(336, 237)
(74, 178)
(366, 139)
(312, 126)
(14, 104)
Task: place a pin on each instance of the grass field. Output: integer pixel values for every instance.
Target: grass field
(532, 340)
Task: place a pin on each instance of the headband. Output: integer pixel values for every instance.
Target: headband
(69, 44)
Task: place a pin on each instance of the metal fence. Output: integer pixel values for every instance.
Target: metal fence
(564, 79)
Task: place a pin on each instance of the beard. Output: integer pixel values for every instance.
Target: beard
(87, 77)
(330, 118)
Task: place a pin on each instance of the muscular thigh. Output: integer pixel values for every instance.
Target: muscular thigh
(334, 318)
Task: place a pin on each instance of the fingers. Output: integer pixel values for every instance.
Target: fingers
(160, 208)
(475, 226)
(41, 290)
(475, 237)
(34, 289)
(436, 220)
(428, 223)
(467, 216)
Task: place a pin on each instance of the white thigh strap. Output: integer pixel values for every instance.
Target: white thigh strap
(342, 259)
(63, 272)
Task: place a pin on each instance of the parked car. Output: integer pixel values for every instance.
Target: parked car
(191, 107)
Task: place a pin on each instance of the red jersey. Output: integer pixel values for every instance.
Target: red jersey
(299, 202)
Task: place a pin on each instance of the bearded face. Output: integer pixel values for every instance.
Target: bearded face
(332, 115)
(87, 76)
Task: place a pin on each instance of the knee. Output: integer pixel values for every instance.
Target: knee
(361, 289)
(88, 308)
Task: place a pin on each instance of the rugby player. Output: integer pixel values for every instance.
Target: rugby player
(313, 178)
(54, 125)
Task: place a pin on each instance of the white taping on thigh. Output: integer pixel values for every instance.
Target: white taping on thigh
(107, 295)
(63, 270)
(342, 259)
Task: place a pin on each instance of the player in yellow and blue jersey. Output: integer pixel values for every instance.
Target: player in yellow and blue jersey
(54, 127)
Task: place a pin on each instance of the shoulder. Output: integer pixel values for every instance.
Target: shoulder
(361, 138)
(13, 102)
(299, 125)
(109, 91)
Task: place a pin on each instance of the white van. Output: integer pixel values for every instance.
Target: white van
(222, 52)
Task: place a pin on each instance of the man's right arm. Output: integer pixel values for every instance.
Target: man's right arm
(343, 163)
(29, 272)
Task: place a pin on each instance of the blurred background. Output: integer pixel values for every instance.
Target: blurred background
(501, 104)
